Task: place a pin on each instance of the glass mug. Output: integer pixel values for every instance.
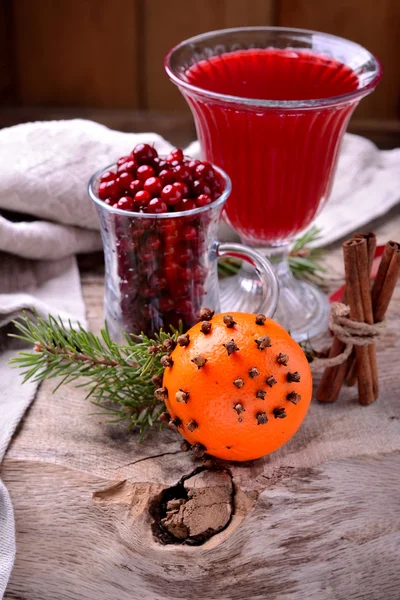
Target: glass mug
(160, 269)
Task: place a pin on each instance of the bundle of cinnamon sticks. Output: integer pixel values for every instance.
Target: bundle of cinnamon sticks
(366, 306)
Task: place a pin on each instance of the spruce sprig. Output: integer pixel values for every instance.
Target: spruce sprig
(304, 262)
(121, 379)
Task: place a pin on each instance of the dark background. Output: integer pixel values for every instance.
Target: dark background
(103, 59)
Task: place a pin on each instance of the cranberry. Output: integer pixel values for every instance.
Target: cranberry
(182, 187)
(200, 187)
(135, 186)
(188, 233)
(185, 273)
(183, 255)
(171, 194)
(203, 200)
(157, 206)
(199, 272)
(108, 189)
(147, 256)
(176, 154)
(153, 242)
(124, 181)
(184, 306)
(123, 160)
(125, 245)
(153, 185)
(185, 204)
(168, 226)
(167, 176)
(170, 241)
(171, 270)
(192, 164)
(144, 172)
(144, 153)
(108, 176)
(129, 166)
(110, 201)
(146, 268)
(157, 282)
(204, 171)
(181, 288)
(142, 198)
(165, 303)
(125, 203)
(127, 287)
(183, 173)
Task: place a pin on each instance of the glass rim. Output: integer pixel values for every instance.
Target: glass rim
(175, 215)
(259, 103)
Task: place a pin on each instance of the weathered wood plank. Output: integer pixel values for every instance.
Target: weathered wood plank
(317, 519)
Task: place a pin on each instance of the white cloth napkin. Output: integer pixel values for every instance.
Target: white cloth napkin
(44, 170)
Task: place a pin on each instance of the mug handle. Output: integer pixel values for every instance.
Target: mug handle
(263, 268)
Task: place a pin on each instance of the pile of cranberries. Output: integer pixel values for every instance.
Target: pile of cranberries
(161, 262)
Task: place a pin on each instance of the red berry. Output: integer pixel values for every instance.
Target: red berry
(157, 206)
(108, 189)
(182, 187)
(199, 272)
(123, 160)
(135, 186)
(129, 166)
(165, 303)
(184, 306)
(171, 270)
(149, 311)
(171, 194)
(124, 181)
(203, 200)
(185, 204)
(167, 176)
(185, 273)
(168, 226)
(144, 172)
(147, 256)
(159, 164)
(110, 201)
(183, 255)
(153, 242)
(157, 282)
(200, 187)
(193, 163)
(144, 154)
(181, 288)
(153, 185)
(142, 198)
(125, 203)
(108, 176)
(188, 233)
(204, 171)
(183, 173)
(176, 154)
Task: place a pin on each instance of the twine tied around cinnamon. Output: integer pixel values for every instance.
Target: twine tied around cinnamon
(352, 333)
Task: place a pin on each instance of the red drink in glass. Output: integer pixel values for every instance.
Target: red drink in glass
(271, 105)
(288, 157)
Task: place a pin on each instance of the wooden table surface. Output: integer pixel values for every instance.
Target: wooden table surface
(319, 519)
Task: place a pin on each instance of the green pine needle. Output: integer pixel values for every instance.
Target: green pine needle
(304, 262)
(118, 377)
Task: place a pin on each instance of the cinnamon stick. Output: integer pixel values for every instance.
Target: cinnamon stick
(333, 377)
(381, 293)
(356, 267)
(385, 280)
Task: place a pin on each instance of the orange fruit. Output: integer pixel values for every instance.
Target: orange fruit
(240, 388)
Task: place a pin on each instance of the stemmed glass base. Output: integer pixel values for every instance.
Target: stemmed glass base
(302, 307)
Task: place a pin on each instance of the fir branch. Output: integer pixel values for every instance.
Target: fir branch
(118, 377)
(304, 262)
